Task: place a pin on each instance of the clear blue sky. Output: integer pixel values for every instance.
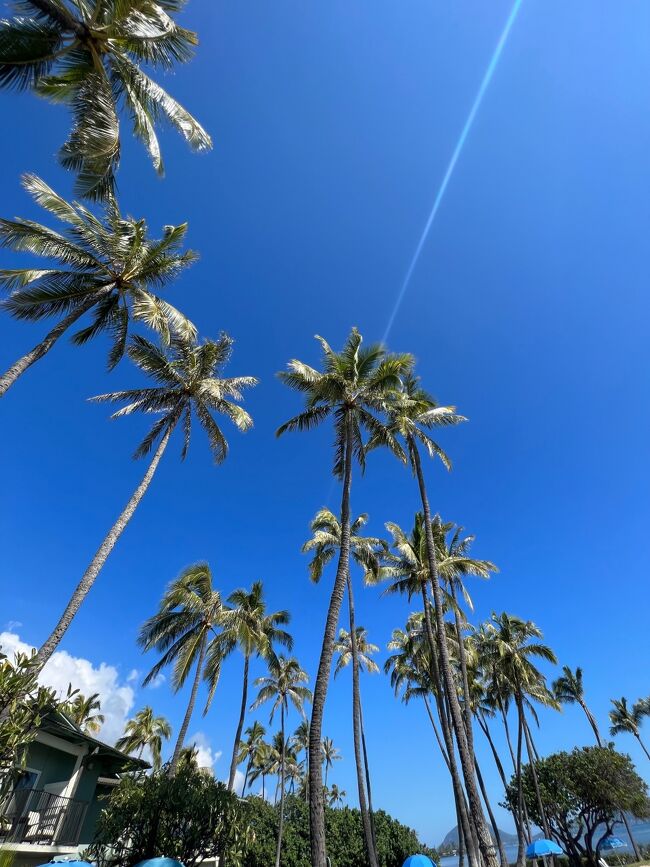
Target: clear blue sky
(333, 125)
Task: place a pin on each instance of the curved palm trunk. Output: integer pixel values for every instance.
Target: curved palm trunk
(439, 693)
(316, 804)
(22, 364)
(462, 656)
(240, 726)
(367, 770)
(642, 745)
(182, 734)
(281, 824)
(497, 760)
(521, 842)
(356, 726)
(532, 757)
(495, 828)
(485, 843)
(88, 579)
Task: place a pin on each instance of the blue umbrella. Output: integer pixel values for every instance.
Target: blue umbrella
(612, 843)
(543, 848)
(418, 861)
(72, 862)
(160, 862)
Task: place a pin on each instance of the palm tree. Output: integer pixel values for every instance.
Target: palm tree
(106, 265)
(283, 684)
(336, 796)
(628, 719)
(300, 742)
(261, 764)
(85, 712)
(88, 55)
(145, 731)
(187, 385)
(247, 626)
(354, 386)
(249, 748)
(330, 754)
(324, 544)
(188, 615)
(412, 413)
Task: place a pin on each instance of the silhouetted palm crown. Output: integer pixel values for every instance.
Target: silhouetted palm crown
(87, 54)
(283, 684)
(326, 541)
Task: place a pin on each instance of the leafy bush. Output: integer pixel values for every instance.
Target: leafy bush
(345, 843)
(189, 817)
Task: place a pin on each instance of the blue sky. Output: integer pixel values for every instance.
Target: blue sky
(333, 125)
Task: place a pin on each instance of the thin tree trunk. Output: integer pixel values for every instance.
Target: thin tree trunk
(467, 706)
(281, 824)
(240, 726)
(22, 364)
(248, 770)
(368, 786)
(88, 579)
(495, 828)
(485, 843)
(643, 746)
(521, 845)
(190, 708)
(504, 717)
(356, 726)
(497, 760)
(531, 760)
(316, 805)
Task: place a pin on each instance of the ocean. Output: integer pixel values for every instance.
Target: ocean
(641, 835)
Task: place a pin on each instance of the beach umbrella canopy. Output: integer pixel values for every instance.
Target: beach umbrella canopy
(72, 862)
(612, 843)
(418, 861)
(543, 848)
(160, 862)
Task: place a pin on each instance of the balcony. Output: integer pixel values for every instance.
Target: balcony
(36, 816)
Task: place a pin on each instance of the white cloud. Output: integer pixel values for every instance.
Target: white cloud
(205, 755)
(157, 681)
(133, 675)
(62, 668)
(12, 625)
(239, 782)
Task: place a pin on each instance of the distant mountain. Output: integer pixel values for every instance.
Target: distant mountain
(451, 838)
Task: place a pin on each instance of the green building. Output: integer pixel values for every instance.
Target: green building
(53, 809)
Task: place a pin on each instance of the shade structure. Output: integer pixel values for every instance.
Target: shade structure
(160, 862)
(542, 849)
(612, 843)
(72, 862)
(418, 861)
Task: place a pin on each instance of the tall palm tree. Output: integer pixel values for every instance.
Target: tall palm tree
(324, 544)
(89, 55)
(412, 413)
(625, 719)
(352, 388)
(249, 748)
(247, 626)
(108, 266)
(187, 617)
(283, 684)
(145, 731)
(188, 384)
(84, 711)
(330, 754)
(336, 796)
(261, 764)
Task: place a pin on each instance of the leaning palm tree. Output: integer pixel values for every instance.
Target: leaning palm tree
(324, 544)
(247, 626)
(145, 731)
(412, 413)
(330, 754)
(248, 749)
(189, 613)
(108, 266)
(84, 711)
(89, 56)
(187, 385)
(626, 719)
(283, 684)
(352, 388)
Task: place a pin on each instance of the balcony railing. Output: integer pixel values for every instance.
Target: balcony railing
(36, 816)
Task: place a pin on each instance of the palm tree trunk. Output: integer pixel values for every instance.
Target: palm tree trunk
(356, 726)
(316, 805)
(530, 748)
(366, 765)
(521, 844)
(88, 579)
(248, 770)
(22, 364)
(485, 843)
(495, 828)
(282, 756)
(439, 691)
(462, 656)
(240, 726)
(643, 746)
(497, 760)
(592, 722)
(190, 708)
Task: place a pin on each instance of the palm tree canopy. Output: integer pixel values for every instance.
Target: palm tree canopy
(353, 387)
(109, 259)
(626, 719)
(251, 744)
(300, 738)
(88, 55)
(330, 753)
(365, 650)
(188, 613)
(283, 684)
(145, 730)
(188, 386)
(326, 541)
(84, 711)
(568, 688)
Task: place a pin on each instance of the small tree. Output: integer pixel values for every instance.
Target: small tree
(582, 794)
(188, 816)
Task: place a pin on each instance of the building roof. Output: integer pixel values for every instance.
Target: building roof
(59, 724)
